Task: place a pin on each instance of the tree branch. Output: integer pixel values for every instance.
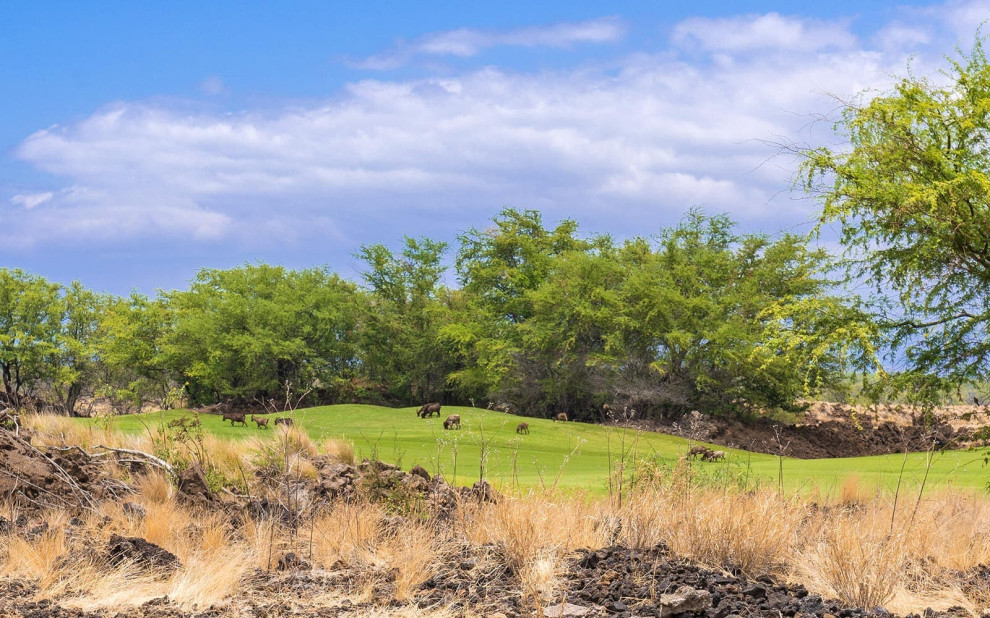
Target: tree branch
(950, 318)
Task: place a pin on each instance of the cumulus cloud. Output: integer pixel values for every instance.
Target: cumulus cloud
(963, 16)
(900, 36)
(30, 200)
(763, 32)
(631, 146)
(466, 42)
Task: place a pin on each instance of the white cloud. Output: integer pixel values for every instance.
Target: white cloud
(30, 200)
(763, 32)
(963, 16)
(465, 42)
(633, 146)
(899, 36)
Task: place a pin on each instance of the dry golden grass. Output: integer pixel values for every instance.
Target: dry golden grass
(209, 577)
(853, 547)
(348, 533)
(753, 531)
(341, 450)
(534, 534)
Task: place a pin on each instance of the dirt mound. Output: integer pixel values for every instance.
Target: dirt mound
(56, 477)
(837, 438)
(193, 487)
(135, 550)
(834, 430)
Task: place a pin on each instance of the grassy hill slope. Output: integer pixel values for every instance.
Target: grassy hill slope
(576, 455)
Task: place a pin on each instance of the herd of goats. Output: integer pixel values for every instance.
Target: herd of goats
(453, 421)
(260, 421)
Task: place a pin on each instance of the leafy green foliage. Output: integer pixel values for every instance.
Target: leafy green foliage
(912, 195)
(254, 331)
(700, 317)
(403, 313)
(47, 339)
(707, 319)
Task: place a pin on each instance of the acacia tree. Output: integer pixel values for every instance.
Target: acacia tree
(499, 267)
(30, 320)
(246, 333)
(135, 367)
(403, 313)
(76, 361)
(912, 197)
(48, 338)
(719, 321)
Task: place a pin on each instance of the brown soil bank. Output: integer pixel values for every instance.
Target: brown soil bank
(840, 430)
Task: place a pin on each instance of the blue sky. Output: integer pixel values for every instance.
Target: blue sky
(140, 142)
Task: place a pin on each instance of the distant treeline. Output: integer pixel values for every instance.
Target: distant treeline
(699, 317)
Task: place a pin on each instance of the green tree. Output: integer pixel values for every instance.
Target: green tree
(498, 268)
(249, 332)
(406, 307)
(912, 197)
(30, 320)
(48, 340)
(708, 320)
(136, 368)
(566, 357)
(76, 360)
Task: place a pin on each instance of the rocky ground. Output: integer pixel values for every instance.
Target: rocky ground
(613, 581)
(840, 430)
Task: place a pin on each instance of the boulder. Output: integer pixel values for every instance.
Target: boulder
(685, 600)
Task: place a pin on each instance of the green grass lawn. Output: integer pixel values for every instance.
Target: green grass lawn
(576, 456)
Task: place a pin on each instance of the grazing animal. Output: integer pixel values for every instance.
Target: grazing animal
(260, 421)
(698, 450)
(522, 428)
(284, 421)
(562, 417)
(714, 455)
(234, 417)
(428, 410)
(453, 422)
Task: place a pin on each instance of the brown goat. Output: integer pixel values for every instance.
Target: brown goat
(453, 422)
(235, 417)
(284, 421)
(562, 417)
(714, 455)
(698, 450)
(260, 421)
(522, 428)
(428, 410)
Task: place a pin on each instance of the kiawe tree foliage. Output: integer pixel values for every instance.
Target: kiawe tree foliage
(912, 197)
(699, 317)
(251, 332)
(48, 335)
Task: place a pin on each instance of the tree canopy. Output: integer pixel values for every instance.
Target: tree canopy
(912, 197)
(545, 321)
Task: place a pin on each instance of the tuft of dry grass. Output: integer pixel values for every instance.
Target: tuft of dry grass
(851, 563)
(154, 487)
(412, 553)
(534, 533)
(209, 577)
(341, 450)
(752, 531)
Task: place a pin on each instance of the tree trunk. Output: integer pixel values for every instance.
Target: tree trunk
(9, 387)
(72, 397)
